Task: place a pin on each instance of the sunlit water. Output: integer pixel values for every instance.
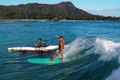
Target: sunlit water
(92, 52)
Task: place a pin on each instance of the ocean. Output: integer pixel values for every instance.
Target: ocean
(93, 51)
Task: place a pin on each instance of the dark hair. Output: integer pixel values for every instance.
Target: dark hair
(61, 37)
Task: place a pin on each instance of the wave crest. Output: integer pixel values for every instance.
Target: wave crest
(98, 46)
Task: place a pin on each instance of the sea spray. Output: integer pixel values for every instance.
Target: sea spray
(74, 49)
(107, 49)
(98, 46)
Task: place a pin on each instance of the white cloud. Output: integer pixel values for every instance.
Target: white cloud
(106, 12)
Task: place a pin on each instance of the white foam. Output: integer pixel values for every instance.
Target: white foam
(72, 51)
(107, 49)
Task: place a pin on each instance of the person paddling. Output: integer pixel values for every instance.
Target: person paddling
(40, 43)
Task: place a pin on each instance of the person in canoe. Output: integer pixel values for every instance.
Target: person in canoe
(40, 43)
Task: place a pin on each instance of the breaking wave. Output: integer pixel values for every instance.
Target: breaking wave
(84, 46)
(107, 50)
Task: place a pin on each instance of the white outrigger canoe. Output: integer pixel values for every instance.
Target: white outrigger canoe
(33, 49)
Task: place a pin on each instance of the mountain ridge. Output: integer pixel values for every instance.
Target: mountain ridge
(63, 10)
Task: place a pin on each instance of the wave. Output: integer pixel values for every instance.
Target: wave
(106, 49)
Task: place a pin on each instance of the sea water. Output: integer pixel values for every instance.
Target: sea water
(92, 52)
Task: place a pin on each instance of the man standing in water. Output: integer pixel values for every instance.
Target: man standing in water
(61, 47)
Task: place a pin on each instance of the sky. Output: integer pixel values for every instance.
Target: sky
(83, 4)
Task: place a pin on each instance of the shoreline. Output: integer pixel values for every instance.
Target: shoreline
(45, 20)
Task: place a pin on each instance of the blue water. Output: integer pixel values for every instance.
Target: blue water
(90, 61)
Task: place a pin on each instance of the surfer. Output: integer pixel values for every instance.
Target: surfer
(61, 46)
(60, 50)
